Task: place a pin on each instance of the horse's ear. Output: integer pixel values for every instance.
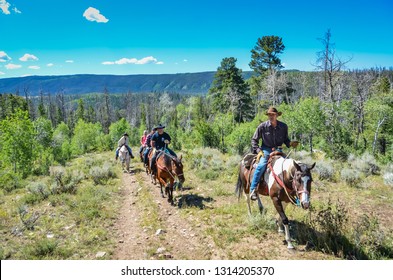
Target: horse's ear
(312, 166)
(297, 166)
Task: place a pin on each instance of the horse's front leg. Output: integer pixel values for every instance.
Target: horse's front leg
(162, 192)
(280, 209)
(162, 184)
(170, 191)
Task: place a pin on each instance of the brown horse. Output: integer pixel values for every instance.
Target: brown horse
(168, 168)
(285, 181)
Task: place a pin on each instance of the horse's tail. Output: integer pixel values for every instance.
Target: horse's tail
(239, 185)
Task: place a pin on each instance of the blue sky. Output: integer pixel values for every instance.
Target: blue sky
(124, 37)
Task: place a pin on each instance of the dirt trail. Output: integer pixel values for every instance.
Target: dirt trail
(176, 237)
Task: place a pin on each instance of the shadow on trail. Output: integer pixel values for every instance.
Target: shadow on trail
(193, 200)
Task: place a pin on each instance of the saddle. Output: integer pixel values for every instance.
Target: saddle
(249, 162)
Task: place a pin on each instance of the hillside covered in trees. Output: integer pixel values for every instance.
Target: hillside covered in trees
(185, 83)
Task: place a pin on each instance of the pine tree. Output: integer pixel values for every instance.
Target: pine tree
(229, 91)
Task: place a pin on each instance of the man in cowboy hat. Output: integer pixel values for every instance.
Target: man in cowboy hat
(273, 134)
(123, 141)
(160, 141)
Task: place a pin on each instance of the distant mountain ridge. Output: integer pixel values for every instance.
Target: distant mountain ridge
(186, 83)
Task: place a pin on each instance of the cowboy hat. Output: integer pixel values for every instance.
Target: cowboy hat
(273, 110)
(125, 134)
(160, 126)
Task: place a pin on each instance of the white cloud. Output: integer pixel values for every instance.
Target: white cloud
(5, 7)
(11, 66)
(2, 73)
(185, 60)
(145, 60)
(92, 14)
(69, 61)
(34, 67)
(28, 57)
(50, 64)
(126, 61)
(3, 56)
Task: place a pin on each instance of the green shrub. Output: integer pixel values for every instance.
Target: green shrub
(101, 175)
(370, 241)
(41, 249)
(388, 175)
(351, 176)
(39, 188)
(366, 164)
(10, 181)
(64, 181)
(325, 170)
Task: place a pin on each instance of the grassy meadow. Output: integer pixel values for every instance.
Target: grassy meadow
(71, 213)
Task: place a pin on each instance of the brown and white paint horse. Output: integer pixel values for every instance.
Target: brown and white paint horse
(296, 178)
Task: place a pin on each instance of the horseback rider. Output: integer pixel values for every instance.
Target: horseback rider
(273, 134)
(160, 141)
(148, 145)
(123, 141)
(143, 141)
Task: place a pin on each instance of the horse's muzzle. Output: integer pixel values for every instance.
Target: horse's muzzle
(305, 205)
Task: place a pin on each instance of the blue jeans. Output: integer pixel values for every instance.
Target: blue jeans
(261, 167)
(145, 155)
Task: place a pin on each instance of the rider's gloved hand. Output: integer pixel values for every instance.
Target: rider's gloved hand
(166, 141)
(259, 155)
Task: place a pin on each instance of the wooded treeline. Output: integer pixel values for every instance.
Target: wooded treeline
(332, 109)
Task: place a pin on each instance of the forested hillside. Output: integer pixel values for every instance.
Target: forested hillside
(184, 83)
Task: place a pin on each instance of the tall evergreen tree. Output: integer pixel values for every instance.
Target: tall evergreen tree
(229, 91)
(265, 55)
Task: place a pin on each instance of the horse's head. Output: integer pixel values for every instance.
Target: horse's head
(177, 167)
(302, 183)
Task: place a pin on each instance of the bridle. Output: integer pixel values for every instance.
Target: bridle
(293, 199)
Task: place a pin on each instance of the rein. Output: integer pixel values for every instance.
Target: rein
(294, 200)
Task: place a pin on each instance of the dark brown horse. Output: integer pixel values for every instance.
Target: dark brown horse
(168, 168)
(285, 181)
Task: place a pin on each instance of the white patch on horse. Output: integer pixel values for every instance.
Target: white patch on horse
(279, 167)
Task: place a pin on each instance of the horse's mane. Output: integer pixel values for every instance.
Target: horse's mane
(167, 159)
